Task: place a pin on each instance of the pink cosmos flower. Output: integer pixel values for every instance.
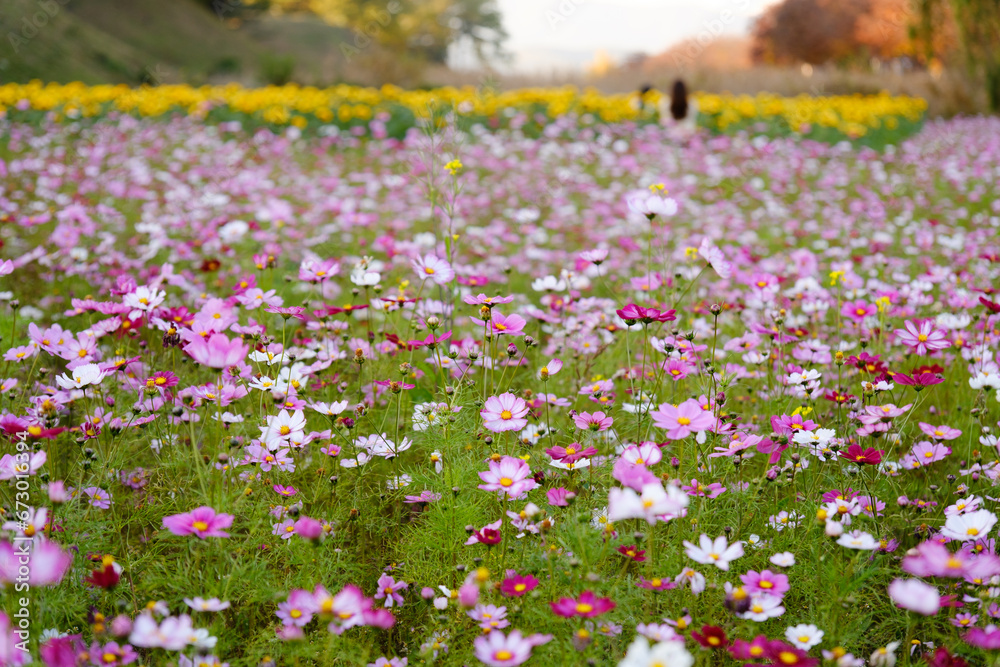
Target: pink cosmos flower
(710, 491)
(644, 454)
(47, 562)
(298, 609)
(509, 475)
(388, 589)
(767, 582)
(924, 453)
(505, 412)
(99, 498)
(498, 650)
(557, 497)
(933, 559)
(308, 528)
(318, 270)
(939, 432)
(651, 204)
(217, 351)
(571, 453)
(347, 608)
(597, 421)
(922, 339)
(676, 369)
(683, 420)
(987, 638)
(716, 258)
(489, 617)
(656, 584)
(788, 425)
(488, 301)
(507, 325)
(430, 267)
(550, 369)
(596, 256)
(587, 605)
(201, 522)
(857, 311)
(915, 595)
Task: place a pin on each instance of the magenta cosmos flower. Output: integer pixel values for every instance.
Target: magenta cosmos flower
(923, 338)
(202, 522)
(683, 420)
(587, 606)
(217, 351)
(516, 585)
(505, 412)
(509, 475)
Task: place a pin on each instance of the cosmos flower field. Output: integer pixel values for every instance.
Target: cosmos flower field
(609, 395)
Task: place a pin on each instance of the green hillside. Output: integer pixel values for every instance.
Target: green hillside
(136, 41)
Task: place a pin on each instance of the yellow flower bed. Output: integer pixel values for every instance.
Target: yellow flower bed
(852, 115)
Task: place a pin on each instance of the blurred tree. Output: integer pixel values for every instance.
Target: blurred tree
(846, 31)
(810, 31)
(422, 28)
(979, 27)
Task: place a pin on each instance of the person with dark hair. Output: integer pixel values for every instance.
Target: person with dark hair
(679, 109)
(679, 101)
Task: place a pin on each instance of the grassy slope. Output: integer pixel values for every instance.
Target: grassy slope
(131, 41)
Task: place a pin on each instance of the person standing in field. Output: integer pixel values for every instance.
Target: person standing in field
(679, 110)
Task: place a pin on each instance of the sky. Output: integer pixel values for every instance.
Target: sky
(565, 34)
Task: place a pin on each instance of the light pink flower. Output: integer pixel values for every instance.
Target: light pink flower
(923, 338)
(430, 267)
(505, 412)
(201, 522)
(509, 475)
(683, 420)
(217, 351)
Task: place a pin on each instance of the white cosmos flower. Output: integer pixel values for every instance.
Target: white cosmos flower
(763, 607)
(885, 656)
(716, 552)
(783, 559)
(641, 654)
(971, 526)
(804, 636)
(654, 501)
(83, 376)
(858, 539)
